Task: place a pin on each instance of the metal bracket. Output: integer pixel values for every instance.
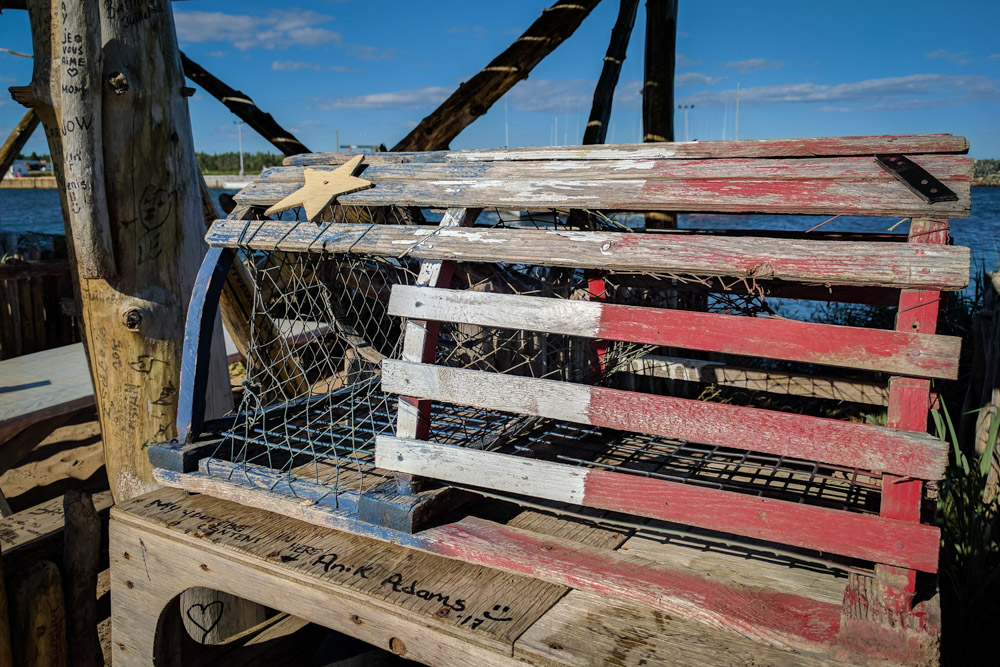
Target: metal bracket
(919, 181)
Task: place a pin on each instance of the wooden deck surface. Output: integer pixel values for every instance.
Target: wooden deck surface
(38, 386)
(426, 607)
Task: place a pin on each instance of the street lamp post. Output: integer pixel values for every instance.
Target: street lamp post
(686, 107)
(239, 129)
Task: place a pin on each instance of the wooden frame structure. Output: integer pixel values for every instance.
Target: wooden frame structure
(884, 611)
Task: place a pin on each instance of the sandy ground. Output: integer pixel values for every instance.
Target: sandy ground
(71, 457)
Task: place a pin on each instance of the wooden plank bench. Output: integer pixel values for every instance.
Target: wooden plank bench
(517, 353)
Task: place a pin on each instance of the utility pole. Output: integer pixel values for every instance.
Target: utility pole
(737, 108)
(686, 108)
(239, 129)
(506, 125)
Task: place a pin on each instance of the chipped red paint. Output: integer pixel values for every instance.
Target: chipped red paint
(909, 402)
(777, 618)
(860, 536)
(784, 434)
(851, 347)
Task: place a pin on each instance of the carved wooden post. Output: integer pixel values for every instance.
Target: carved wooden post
(78, 44)
(133, 321)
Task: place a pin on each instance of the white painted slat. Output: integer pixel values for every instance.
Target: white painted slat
(489, 470)
(491, 391)
(486, 309)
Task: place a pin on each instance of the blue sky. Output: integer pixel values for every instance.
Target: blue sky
(372, 69)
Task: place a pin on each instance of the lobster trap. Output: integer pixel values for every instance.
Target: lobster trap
(503, 327)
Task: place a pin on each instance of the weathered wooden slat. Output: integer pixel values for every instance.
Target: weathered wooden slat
(951, 167)
(861, 536)
(895, 352)
(703, 186)
(772, 382)
(810, 438)
(814, 262)
(912, 144)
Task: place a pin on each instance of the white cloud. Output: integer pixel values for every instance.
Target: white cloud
(888, 94)
(414, 98)
(994, 56)
(292, 65)
(950, 56)
(278, 29)
(682, 61)
(477, 31)
(695, 79)
(755, 65)
(216, 54)
(366, 52)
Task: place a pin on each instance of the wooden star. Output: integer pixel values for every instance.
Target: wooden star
(322, 187)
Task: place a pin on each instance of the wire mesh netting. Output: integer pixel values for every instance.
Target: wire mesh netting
(312, 406)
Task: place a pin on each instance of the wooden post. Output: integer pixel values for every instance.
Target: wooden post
(909, 404)
(658, 86)
(81, 558)
(475, 96)
(6, 657)
(133, 323)
(38, 617)
(79, 44)
(16, 140)
(604, 92)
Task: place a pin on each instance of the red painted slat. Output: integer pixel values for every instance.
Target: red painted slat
(860, 536)
(831, 345)
(776, 618)
(909, 400)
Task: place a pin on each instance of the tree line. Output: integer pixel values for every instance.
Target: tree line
(229, 163)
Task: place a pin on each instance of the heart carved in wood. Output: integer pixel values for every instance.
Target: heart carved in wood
(206, 616)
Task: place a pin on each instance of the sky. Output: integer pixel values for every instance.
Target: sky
(367, 71)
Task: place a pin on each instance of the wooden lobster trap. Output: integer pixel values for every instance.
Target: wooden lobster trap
(486, 330)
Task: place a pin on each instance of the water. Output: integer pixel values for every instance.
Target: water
(38, 211)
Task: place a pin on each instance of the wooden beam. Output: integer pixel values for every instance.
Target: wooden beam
(600, 109)
(909, 405)
(658, 71)
(38, 617)
(807, 147)
(834, 186)
(849, 534)
(16, 139)
(475, 96)
(797, 436)
(899, 352)
(244, 108)
(658, 87)
(6, 656)
(814, 262)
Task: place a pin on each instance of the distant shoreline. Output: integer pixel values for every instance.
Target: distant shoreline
(49, 182)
